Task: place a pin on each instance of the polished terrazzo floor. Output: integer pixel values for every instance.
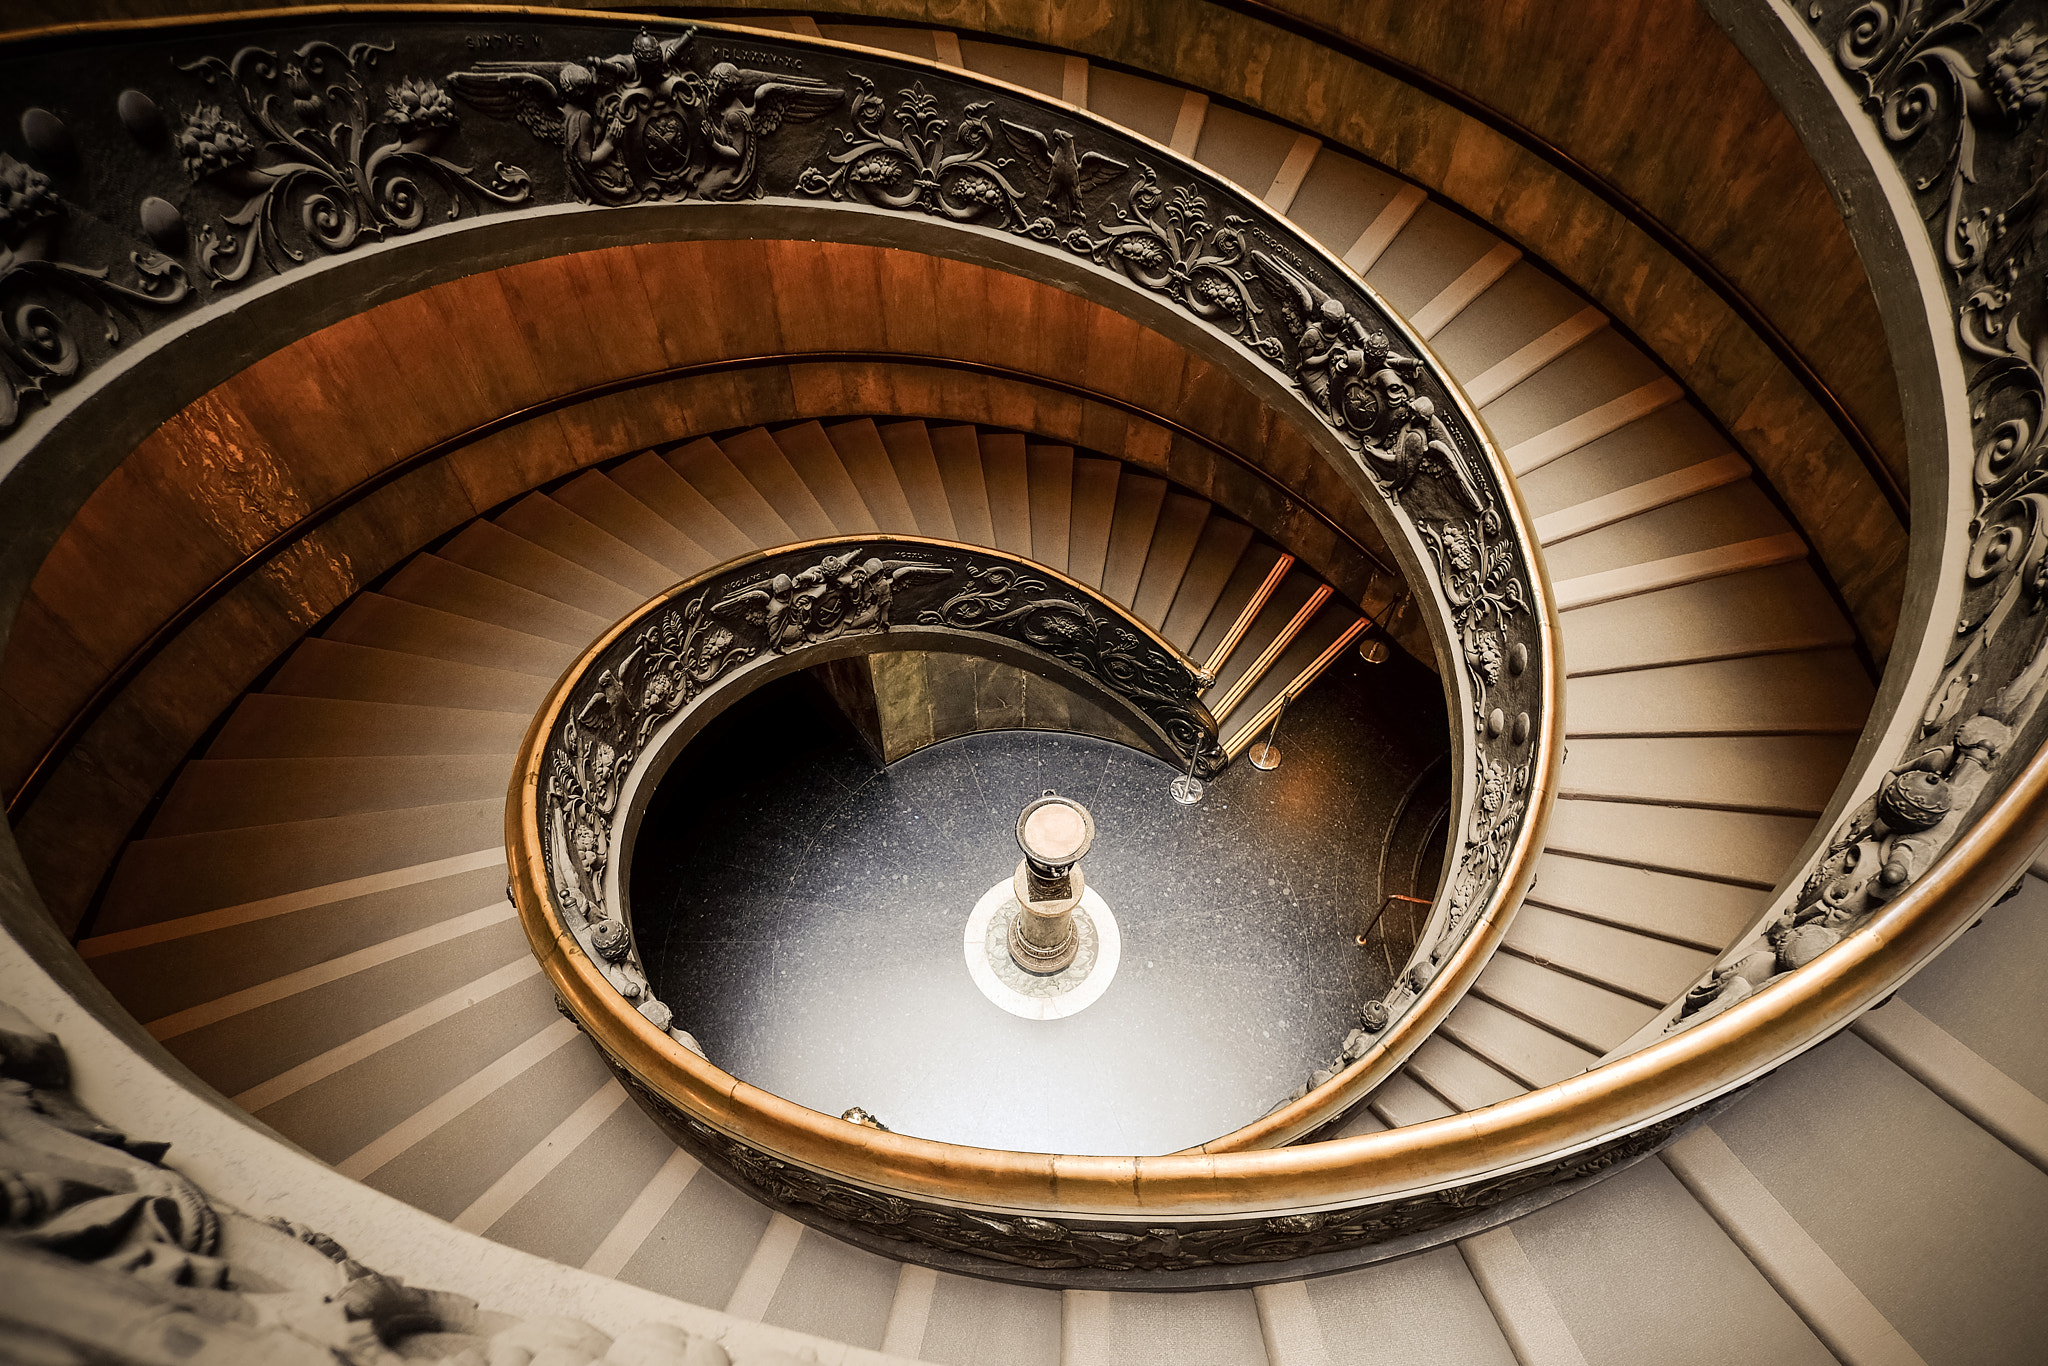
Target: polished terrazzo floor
(801, 908)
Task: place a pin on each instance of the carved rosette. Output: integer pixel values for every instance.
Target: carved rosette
(1957, 92)
(678, 650)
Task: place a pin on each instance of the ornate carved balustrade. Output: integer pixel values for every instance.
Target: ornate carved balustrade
(299, 148)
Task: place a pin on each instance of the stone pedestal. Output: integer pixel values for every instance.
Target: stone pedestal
(1054, 833)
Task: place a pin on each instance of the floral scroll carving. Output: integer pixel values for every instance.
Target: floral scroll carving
(1957, 91)
(789, 603)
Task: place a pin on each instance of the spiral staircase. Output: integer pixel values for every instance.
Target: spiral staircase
(311, 915)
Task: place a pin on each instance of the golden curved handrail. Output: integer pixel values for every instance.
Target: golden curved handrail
(1666, 1078)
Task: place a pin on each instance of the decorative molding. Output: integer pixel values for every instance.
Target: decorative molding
(1956, 90)
(673, 653)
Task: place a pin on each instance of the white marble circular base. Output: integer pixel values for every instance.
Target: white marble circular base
(1069, 991)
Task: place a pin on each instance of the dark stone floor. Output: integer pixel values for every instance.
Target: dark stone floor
(801, 908)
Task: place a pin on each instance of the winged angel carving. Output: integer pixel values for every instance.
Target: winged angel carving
(837, 596)
(646, 124)
(1366, 389)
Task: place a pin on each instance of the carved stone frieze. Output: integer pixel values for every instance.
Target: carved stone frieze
(108, 1254)
(1957, 92)
(782, 606)
(1080, 1244)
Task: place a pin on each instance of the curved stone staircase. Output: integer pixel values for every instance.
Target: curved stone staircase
(315, 919)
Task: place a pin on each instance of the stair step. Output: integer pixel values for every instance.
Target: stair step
(815, 459)
(1095, 493)
(761, 461)
(1312, 650)
(272, 726)
(1528, 1053)
(1600, 372)
(179, 875)
(358, 673)
(1730, 514)
(1521, 308)
(957, 449)
(605, 503)
(1050, 474)
(1732, 846)
(1435, 246)
(1791, 775)
(1812, 692)
(1275, 626)
(1639, 498)
(1401, 1100)
(1460, 1077)
(221, 794)
(1258, 574)
(1006, 476)
(1139, 499)
(704, 465)
(459, 591)
(1758, 611)
(1706, 915)
(384, 623)
(917, 471)
(1593, 1017)
(866, 461)
(1215, 558)
(490, 549)
(545, 522)
(154, 980)
(656, 486)
(1179, 531)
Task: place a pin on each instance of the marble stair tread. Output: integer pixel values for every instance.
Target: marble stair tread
(1294, 669)
(1522, 306)
(1178, 531)
(362, 673)
(245, 1050)
(815, 459)
(706, 467)
(1791, 775)
(567, 1214)
(911, 455)
(1484, 386)
(1094, 509)
(1110, 1328)
(1731, 846)
(957, 450)
(1401, 1100)
(1688, 910)
(1139, 499)
(1594, 1017)
(545, 522)
(1636, 499)
(829, 1288)
(157, 979)
(1813, 692)
(406, 627)
(455, 1161)
(1424, 1310)
(488, 548)
(1005, 474)
(1653, 971)
(427, 580)
(866, 461)
(1210, 565)
(656, 486)
(273, 726)
(1461, 1077)
(1049, 475)
(1598, 371)
(1769, 610)
(761, 461)
(1726, 515)
(1248, 576)
(222, 794)
(179, 875)
(1271, 625)
(1341, 198)
(1672, 438)
(390, 1066)
(1524, 1051)
(1435, 246)
(609, 506)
